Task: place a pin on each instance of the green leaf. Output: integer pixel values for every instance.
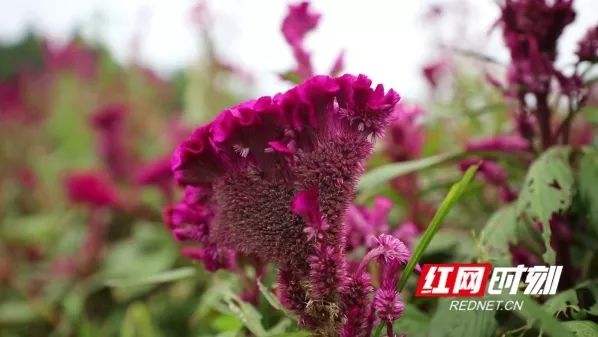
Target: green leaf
(250, 317)
(14, 312)
(447, 323)
(412, 323)
(534, 313)
(449, 201)
(547, 190)
(273, 300)
(588, 182)
(137, 322)
(163, 277)
(147, 253)
(504, 229)
(582, 328)
(382, 174)
(497, 234)
(569, 298)
(226, 323)
(291, 76)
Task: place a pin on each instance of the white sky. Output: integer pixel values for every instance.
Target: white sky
(386, 39)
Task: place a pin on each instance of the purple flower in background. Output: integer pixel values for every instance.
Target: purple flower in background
(295, 26)
(504, 143)
(587, 47)
(91, 189)
(157, 173)
(434, 71)
(408, 232)
(362, 224)
(108, 121)
(405, 137)
(534, 24)
(493, 174)
(75, 56)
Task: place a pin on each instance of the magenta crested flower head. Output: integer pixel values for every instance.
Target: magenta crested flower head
(91, 189)
(255, 158)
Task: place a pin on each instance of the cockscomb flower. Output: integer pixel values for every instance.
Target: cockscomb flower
(258, 155)
(108, 121)
(587, 47)
(280, 173)
(91, 189)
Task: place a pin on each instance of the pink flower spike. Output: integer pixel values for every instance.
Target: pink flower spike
(388, 304)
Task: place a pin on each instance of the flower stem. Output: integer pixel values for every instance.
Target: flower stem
(389, 331)
(543, 115)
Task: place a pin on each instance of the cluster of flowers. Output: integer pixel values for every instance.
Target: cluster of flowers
(531, 31)
(273, 178)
